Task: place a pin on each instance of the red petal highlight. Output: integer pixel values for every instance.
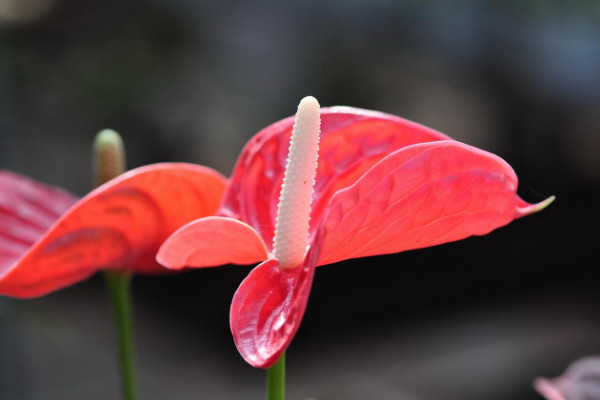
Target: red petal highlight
(210, 242)
(268, 307)
(420, 196)
(352, 141)
(27, 209)
(119, 225)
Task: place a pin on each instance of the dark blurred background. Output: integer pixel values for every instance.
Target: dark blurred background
(192, 81)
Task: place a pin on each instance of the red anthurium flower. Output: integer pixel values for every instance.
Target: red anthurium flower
(48, 240)
(383, 185)
(27, 209)
(581, 381)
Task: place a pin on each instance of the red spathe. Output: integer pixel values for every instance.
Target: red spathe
(383, 185)
(119, 225)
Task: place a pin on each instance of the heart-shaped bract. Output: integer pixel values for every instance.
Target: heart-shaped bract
(383, 185)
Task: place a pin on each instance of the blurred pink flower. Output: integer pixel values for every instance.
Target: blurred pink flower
(581, 381)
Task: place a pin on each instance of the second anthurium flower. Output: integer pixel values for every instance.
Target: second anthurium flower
(50, 240)
(383, 185)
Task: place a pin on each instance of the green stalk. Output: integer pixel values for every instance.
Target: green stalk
(118, 284)
(109, 162)
(276, 380)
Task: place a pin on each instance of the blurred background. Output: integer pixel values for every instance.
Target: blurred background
(192, 81)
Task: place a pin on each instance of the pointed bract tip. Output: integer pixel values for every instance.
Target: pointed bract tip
(533, 208)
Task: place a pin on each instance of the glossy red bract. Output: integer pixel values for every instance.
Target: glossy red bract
(48, 241)
(383, 185)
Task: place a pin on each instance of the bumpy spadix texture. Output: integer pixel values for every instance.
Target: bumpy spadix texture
(49, 241)
(293, 212)
(383, 185)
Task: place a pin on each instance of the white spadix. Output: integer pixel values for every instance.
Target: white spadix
(295, 201)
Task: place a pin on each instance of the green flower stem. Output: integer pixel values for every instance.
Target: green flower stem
(276, 380)
(118, 284)
(109, 162)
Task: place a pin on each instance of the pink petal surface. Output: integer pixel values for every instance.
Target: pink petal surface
(581, 381)
(119, 225)
(27, 209)
(268, 307)
(212, 241)
(419, 196)
(548, 389)
(352, 141)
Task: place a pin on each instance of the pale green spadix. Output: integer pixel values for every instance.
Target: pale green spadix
(295, 201)
(109, 156)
